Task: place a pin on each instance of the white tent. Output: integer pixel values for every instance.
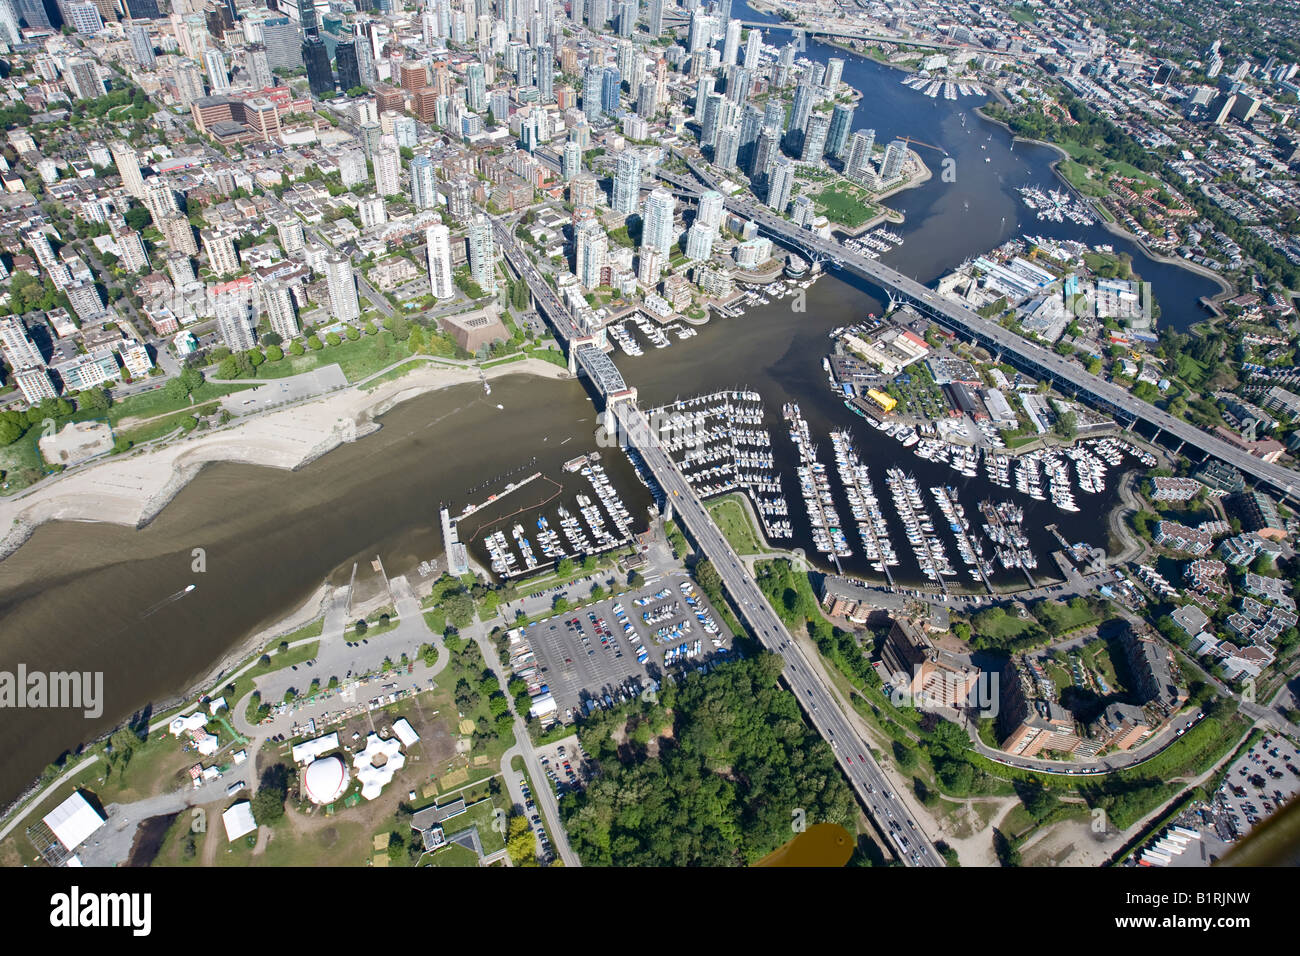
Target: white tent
(309, 750)
(239, 820)
(73, 820)
(405, 732)
(376, 764)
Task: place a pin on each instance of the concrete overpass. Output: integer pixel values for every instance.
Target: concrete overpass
(1066, 375)
(585, 351)
(875, 791)
(838, 32)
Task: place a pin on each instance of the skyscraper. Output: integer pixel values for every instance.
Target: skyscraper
(834, 70)
(259, 69)
(571, 160)
(342, 286)
(590, 248)
(345, 57)
(841, 126)
(438, 240)
(753, 48)
(141, 47)
(858, 166)
(780, 184)
(657, 230)
(731, 43)
(388, 164)
(710, 209)
(317, 61)
(891, 164)
(814, 141)
(476, 88)
(214, 62)
(277, 300)
(424, 189)
(128, 167)
(591, 84)
(610, 85)
(627, 183)
(699, 242)
(283, 41)
(235, 322)
(482, 253)
(765, 152)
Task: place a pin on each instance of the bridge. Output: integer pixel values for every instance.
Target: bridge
(585, 352)
(815, 29)
(808, 684)
(1067, 376)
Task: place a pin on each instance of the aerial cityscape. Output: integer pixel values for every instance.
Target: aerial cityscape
(527, 433)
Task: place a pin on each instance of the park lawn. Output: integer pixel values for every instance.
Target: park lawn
(1063, 616)
(157, 402)
(846, 204)
(394, 373)
(1059, 675)
(364, 357)
(342, 842)
(160, 427)
(733, 521)
(1022, 14)
(1078, 176)
(21, 464)
(443, 701)
(1005, 627)
(1097, 656)
(172, 851)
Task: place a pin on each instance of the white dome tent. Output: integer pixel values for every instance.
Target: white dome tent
(325, 780)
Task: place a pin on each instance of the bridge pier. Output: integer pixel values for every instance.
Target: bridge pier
(573, 361)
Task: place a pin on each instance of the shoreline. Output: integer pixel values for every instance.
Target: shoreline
(134, 489)
(1226, 289)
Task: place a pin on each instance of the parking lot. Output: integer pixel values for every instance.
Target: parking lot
(1262, 779)
(290, 389)
(566, 764)
(600, 654)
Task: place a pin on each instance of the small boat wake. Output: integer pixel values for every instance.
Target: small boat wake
(168, 600)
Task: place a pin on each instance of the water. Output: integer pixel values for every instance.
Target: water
(949, 222)
(94, 597)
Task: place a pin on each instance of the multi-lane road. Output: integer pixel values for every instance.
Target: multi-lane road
(809, 685)
(1065, 372)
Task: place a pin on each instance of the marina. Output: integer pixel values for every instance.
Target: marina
(720, 444)
(1055, 205)
(930, 555)
(873, 529)
(815, 485)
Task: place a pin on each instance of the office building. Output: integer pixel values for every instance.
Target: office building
(345, 57)
(316, 58)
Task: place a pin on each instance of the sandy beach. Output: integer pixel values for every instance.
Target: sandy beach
(133, 488)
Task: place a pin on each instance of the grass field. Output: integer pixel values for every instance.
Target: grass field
(846, 204)
(1078, 176)
(733, 521)
(366, 356)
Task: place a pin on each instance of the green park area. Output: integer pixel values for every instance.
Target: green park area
(732, 518)
(846, 204)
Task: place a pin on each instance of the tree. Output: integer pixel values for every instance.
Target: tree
(1067, 425)
(333, 339)
(362, 627)
(295, 348)
(520, 845)
(314, 343)
(93, 399)
(274, 353)
(636, 580)
(272, 338)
